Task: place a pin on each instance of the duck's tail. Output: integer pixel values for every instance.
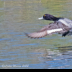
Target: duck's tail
(66, 33)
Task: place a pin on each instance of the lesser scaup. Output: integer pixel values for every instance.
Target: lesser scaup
(60, 25)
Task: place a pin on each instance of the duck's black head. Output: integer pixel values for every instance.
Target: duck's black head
(49, 17)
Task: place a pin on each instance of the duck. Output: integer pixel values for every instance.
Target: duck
(59, 25)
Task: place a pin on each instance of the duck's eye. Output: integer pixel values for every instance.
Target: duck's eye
(44, 15)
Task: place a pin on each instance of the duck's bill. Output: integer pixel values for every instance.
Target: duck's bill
(41, 18)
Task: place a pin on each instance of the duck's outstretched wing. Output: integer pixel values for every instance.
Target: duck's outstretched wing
(43, 33)
(49, 30)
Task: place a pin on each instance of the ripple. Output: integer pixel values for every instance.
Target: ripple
(6, 59)
(25, 44)
(3, 39)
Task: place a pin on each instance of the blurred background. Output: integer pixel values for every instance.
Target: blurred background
(21, 16)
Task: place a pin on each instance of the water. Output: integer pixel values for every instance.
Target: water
(19, 51)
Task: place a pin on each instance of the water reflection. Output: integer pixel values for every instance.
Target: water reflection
(19, 16)
(66, 47)
(54, 59)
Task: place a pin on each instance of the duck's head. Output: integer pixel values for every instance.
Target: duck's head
(48, 17)
(44, 17)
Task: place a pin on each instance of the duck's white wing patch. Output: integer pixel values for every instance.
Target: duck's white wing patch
(54, 30)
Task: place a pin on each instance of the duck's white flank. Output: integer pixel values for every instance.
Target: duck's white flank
(54, 30)
(63, 21)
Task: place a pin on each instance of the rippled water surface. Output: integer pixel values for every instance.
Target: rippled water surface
(18, 51)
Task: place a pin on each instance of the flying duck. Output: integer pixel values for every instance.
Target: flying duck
(60, 25)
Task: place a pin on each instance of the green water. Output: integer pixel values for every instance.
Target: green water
(19, 51)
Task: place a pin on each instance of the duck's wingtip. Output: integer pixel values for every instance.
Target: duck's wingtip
(26, 34)
(32, 36)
